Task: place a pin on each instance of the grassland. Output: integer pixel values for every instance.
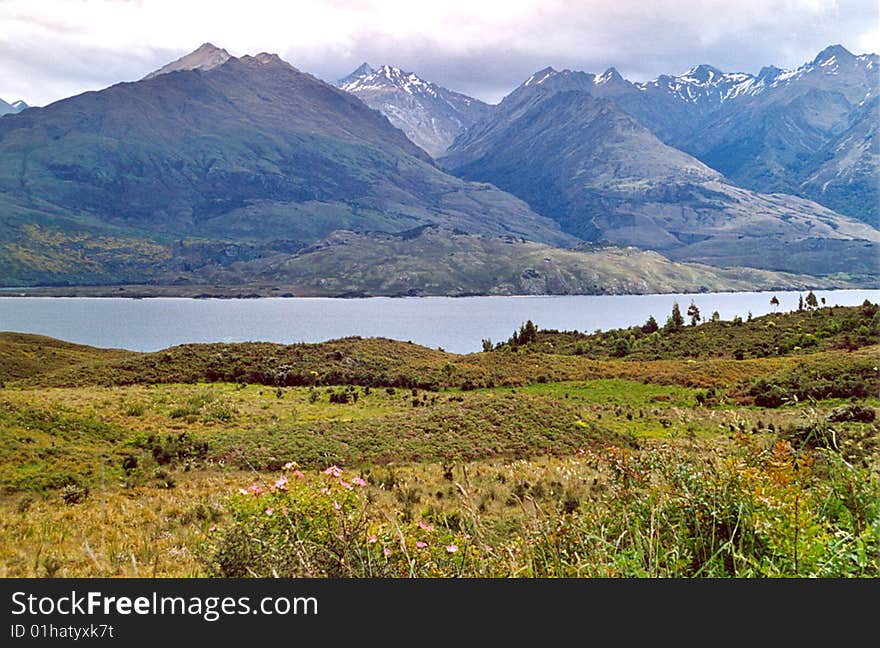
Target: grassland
(559, 457)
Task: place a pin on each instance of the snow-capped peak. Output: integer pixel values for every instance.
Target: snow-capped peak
(703, 74)
(387, 77)
(832, 54)
(19, 105)
(608, 76)
(540, 76)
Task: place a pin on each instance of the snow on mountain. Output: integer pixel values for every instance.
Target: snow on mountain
(430, 115)
(12, 108)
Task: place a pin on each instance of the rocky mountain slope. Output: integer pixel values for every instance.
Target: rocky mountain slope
(430, 115)
(602, 175)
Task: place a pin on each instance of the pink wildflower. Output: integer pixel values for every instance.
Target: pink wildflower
(359, 481)
(290, 465)
(333, 471)
(371, 539)
(488, 548)
(298, 474)
(426, 527)
(213, 528)
(270, 511)
(254, 489)
(325, 491)
(345, 484)
(337, 505)
(386, 551)
(280, 483)
(421, 545)
(452, 548)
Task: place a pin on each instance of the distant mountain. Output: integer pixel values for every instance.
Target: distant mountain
(430, 115)
(14, 107)
(603, 176)
(247, 157)
(847, 177)
(770, 132)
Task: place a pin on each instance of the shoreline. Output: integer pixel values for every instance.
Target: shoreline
(138, 291)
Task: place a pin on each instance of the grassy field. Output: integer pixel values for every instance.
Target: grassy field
(525, 460)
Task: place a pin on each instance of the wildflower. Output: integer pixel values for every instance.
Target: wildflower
(371, 539)
(333, 471)
(213, 528)
(337, 505)
(386, 551)
(325, 491)
(421, 545)
(298, 474)
(426, 527)
(280, 483)
(270, 511)
(359, 481)
(254, 489)
(452, 548)
(345, 484)
(488, 548)
(290, 465)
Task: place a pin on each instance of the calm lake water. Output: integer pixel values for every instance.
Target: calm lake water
(456, 324)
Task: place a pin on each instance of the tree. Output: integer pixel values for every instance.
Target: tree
(800, 302)
(716, 316)
(774, 302)
(650, 326)
(528, 333)
(812, 302)
(487, 345)
(675, 321)
(694, 313)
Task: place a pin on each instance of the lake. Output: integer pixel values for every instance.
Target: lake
(456, 324)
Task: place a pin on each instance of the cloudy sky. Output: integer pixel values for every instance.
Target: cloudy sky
(51, 49)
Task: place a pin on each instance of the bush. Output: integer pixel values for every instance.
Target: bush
(74, 493)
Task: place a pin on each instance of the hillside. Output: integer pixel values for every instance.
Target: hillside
(432, 260)
(248, 154)
(603, 176)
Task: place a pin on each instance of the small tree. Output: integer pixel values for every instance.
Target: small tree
(694, 313)
(675, 320)
(716, 316)
(487, 344)
(812, 302)
(650, 326)
(800, 302)
(528, 333)
(774, 302)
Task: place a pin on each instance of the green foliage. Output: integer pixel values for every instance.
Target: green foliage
(675, 320)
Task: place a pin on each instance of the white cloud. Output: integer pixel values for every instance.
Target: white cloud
(52, 48)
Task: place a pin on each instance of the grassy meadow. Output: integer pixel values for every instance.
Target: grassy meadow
(746, 448)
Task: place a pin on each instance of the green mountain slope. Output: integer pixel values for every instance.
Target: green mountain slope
(251, 152)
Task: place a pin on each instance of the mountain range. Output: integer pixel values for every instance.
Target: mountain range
(596, 169)
(246, 170)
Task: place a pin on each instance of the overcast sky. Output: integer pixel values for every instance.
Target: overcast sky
(51, 49)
